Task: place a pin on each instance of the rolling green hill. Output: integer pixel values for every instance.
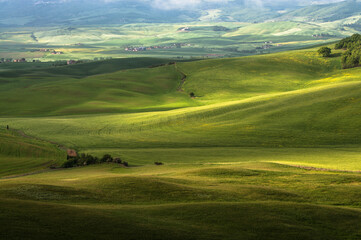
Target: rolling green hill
(268, 148)
(272, 100)
(19, 154)
(89, 88)
(249, 199)
(264, 146)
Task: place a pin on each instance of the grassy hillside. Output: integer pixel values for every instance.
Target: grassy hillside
(92, 88)
(235, 78)
(286, 99)
(324, 116)
(19, 154)
(212, 81)
(247, 200)
(268, 149)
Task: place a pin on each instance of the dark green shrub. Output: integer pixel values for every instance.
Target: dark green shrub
(324, 51)
(72, 162)
(348, 42)
(106, 158)
(352, 57)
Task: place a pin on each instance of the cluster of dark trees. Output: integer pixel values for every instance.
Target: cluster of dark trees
(352, 57)
(349, 42)
(325, 51)
(87, 159)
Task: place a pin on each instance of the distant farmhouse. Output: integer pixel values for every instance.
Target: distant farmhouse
(71, 153)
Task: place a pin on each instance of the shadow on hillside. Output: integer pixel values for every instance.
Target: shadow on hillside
(336, 55)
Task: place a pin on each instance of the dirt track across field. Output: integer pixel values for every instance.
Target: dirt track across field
(183, 80)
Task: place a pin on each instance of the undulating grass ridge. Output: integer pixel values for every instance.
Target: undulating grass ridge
(266, 147)
(19, 154)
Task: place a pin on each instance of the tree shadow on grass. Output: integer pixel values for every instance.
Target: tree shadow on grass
(333, 55)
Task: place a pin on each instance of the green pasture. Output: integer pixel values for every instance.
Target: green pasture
(19, 155)
(245, 200)
(269, 148)
(293, 99)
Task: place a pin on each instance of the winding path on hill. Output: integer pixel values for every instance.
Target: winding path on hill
(61, 147)
(183, 80)
(69, 151)
(23, 134)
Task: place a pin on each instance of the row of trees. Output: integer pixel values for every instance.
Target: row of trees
(87, 159)
(349, 42)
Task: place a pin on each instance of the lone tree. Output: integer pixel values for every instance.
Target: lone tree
(324, 51)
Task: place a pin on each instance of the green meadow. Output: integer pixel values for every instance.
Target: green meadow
(268, 148)
(21, 155)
